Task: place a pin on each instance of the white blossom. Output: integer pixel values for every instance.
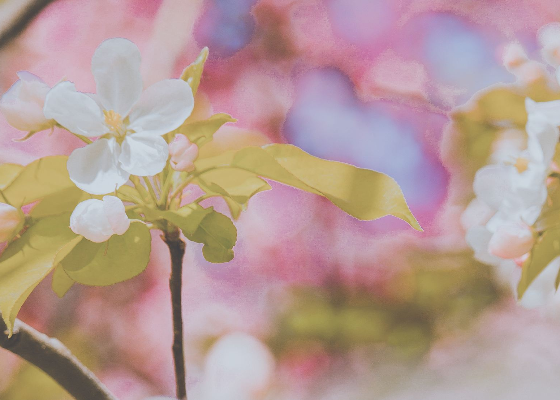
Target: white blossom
(22, 105)
(98, 220)
(128, 122)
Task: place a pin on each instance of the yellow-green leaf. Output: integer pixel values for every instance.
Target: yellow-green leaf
(235, 185)
(362, 193)
(59, 203)
(121, 258)
(187, 218)
(61, 282)
(218, 234)
(28, 260)
(39, 179)
(200, 132)
(8, 172)
(193, 72)
(546, 249)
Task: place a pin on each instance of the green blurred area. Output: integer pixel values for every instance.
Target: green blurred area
(440, 293)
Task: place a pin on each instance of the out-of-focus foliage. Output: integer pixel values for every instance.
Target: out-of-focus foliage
(442, 292)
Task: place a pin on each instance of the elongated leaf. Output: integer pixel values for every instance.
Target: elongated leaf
(193, 72)
(119, 259)
(28, 260)
(218, 234)
(200, 132)
(8, 172)
(38, 180)
(59, 203)
(362, 193)
(544, 251)
(61, 282)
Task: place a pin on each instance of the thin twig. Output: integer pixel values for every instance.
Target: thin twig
(55, 360)
(177, 251)
(24, 17)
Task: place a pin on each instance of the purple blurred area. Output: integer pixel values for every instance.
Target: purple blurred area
(316, 305)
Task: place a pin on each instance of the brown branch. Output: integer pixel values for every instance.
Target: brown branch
(177, 252)
(24, 17)
(55, 360)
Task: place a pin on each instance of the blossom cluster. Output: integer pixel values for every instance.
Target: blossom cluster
(504, 221)
(122, 124)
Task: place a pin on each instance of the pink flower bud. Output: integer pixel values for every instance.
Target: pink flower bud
(11, 221)
(22, 105)
(183, 153)
(511, 240)
(98, 220)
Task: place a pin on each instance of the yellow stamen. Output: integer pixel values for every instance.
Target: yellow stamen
(521, 164)
(113, 120)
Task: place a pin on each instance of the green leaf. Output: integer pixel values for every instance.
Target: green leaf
(38, 180)
(28, 260)
(193, 72)
(218, 234)
(8, 172)
(362, 193)
(130, 194)
(119, 259)
(235, 185)
(59, 203)
(546, 249)
(200, 132)
(187, 218)
(61, 282)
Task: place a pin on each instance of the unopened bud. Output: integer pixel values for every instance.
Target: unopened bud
(98, 220)
(511, 240)
(22, 105)
(183, 153)
(11, 221)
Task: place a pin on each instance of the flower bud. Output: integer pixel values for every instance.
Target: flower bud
(549, 39)
(98, 220)
(11, 221)
(22, 105)
(183, 153)
(511, 240)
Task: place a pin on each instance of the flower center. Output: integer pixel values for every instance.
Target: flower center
(521, 164)
(113, 120)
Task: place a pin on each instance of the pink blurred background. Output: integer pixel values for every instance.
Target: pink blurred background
(316, 305)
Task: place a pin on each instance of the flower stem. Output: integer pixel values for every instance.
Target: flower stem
(177, 251)
(150, 189)
(54, 359)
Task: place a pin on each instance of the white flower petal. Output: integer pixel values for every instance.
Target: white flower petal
(492, 184)
(116, 214)
(95, 168)
(116, 69)
(543, 136)
(478, 238)
(90, 221)
(550, 109)
(144, 154)
(75, 111)
(163, 107)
